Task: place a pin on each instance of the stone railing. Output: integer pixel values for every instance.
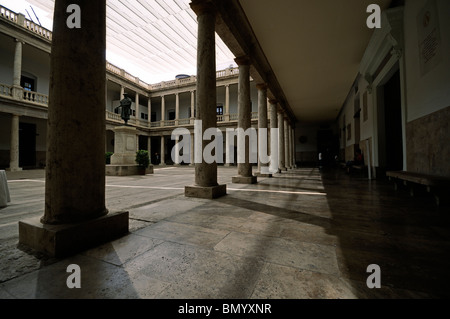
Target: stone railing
(122, 73)
(5, 90)
(192, 79)
(233, 117)
(169, 123)
(142, 123)
(184, 121)
(254, 115)
(23, 95)
(20, 20)
(113, 116)
(35, 97)
(30, 25)
(7, 14)
(220, 118)
(155, 124)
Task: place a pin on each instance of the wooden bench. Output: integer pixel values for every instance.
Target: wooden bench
(438, 186)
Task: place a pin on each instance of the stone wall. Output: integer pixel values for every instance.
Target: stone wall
(428, 144)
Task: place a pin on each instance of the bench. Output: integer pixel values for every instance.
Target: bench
(438, 186)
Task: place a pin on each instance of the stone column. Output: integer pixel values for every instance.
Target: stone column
(227, 103)
(17, 90)
(136, 102)
(75, 216)
(14, 152)
(294, 162)
(122, 92)
(291, 147)
(281, 152)
(286, 144)
(206, 185)
(163, 151)
(274, 144)
(192, 107)
(149, 108)
(263, 168)
(244, 122)
(163, 110)
(192, 151)
(149, 148)
(177, 108)
(176, 147)
(228, 159)
(17, 71)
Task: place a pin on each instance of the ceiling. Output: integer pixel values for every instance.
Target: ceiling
(314, 49)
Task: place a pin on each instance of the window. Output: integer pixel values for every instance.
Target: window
(219, 109)
(27, 83)
(153, 117)
(171, 115)
(143, 116)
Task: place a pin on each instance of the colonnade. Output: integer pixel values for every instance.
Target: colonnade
(75, 216)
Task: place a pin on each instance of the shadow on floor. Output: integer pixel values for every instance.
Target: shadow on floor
(409, 238)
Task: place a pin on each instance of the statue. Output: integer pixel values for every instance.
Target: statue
(125, 108)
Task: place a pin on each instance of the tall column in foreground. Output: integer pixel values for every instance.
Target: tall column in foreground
(206, 185)
(263, 143)
(244, 123)
(75, 216)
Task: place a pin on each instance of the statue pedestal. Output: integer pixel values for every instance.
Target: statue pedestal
(123, 161)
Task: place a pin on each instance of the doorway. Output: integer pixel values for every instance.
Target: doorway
(27, 145)
(393, 124)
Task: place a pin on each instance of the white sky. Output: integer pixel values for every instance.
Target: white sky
(140, 66)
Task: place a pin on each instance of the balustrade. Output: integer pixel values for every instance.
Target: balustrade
(5, 89)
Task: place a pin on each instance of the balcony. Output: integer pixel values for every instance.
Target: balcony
(21, 21)
(21, 95)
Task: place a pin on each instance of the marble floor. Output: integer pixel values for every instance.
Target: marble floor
(303, 234)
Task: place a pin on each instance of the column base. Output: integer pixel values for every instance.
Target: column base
(14, 169)
(68, 239)
(258, 174)
(282, 169)
(126, 170)
(205, 192)
(244, 179)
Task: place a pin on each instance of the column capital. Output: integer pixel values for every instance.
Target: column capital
(201, 7)
(262, 86)
(243, 60)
